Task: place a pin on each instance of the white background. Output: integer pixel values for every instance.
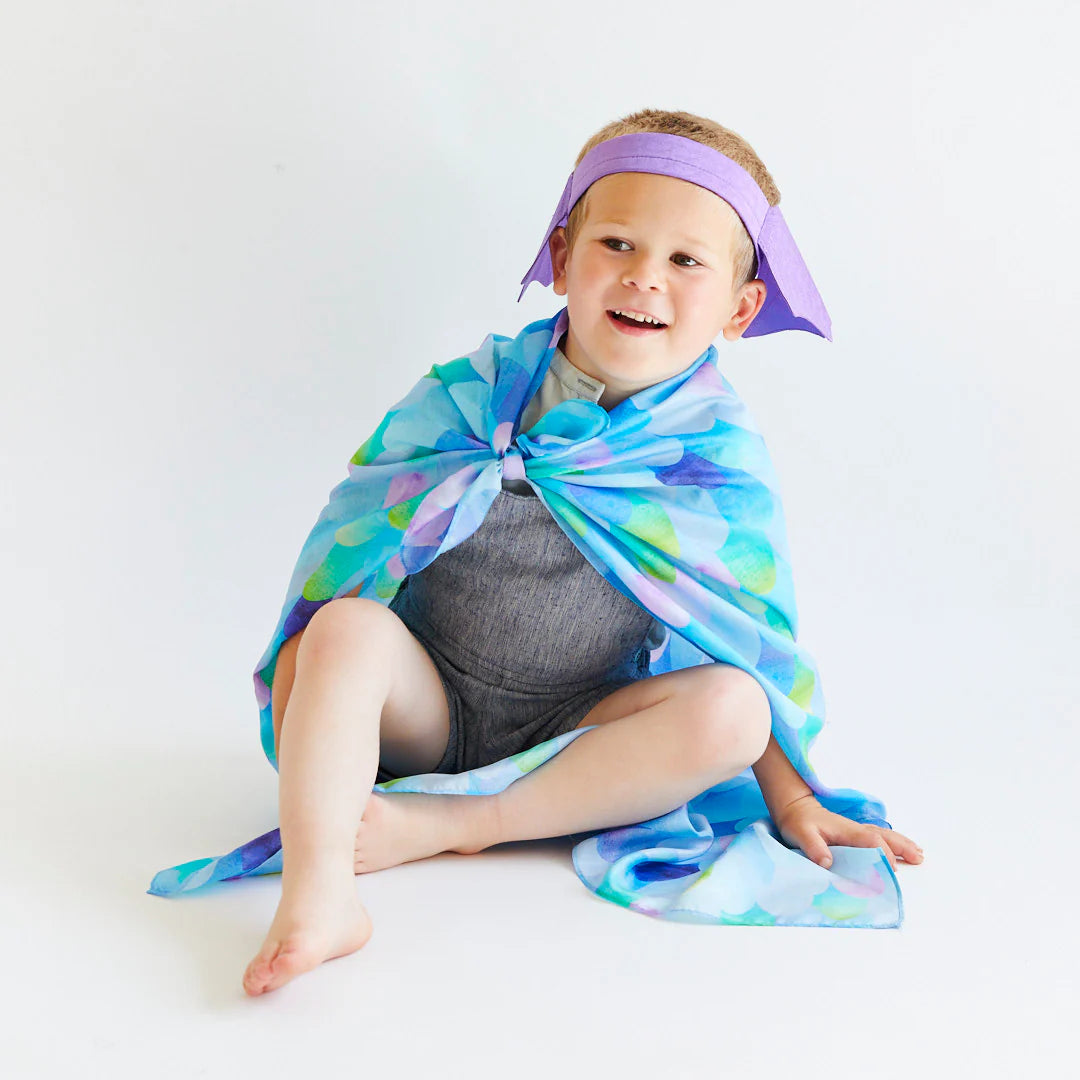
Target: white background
(233, 234)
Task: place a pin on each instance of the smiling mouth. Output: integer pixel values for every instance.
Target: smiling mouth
(633, 324)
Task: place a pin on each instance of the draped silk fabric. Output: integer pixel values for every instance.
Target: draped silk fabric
(672, 497)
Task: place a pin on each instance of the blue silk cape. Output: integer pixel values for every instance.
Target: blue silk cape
(673, 498)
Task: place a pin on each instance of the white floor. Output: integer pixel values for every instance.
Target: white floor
(503, 963)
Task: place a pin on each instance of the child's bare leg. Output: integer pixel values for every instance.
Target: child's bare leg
(356, 668)
(660, 742)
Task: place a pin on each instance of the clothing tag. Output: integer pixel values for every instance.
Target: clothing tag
(587, 385)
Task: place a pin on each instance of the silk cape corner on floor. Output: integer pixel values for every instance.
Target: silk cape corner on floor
(673, 498)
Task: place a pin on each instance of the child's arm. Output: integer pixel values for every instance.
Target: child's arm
(780, 784)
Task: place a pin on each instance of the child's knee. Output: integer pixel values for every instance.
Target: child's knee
(333, 626)
(729, 714)
(348, 622)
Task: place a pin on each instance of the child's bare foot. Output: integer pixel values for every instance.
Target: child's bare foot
(406, 826)
(317, 919)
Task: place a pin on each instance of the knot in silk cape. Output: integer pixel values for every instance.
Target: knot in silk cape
(672, 497)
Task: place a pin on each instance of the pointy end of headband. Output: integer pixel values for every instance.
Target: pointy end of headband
(792, 301)
(541, 269)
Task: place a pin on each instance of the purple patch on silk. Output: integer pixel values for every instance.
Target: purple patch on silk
(693, 470)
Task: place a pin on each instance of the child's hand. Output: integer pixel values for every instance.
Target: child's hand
(806, 824)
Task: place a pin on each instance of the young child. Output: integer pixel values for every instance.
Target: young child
(511, 636)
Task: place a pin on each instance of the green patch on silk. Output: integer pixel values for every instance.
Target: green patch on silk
(650, 561)
(768, 613)
(185, 871)
(751, 604)
(455, 371)
(607, 892)
(361, 531)
(751, 563)
(754, 916)
(648, 522)
(569, 513)
(528, 760)
(267, 673)
(374, 444)
(386, 583)
(807, 733)
(776, 620)
(802, 684)
(338, 565)
(400, 514)
(837, 906)
(650, 536)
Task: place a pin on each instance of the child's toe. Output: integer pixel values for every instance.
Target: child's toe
(260, 971)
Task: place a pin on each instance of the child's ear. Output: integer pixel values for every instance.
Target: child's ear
(557, 250)
(751, 300)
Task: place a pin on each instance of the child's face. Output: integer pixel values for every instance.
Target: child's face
(657, 245)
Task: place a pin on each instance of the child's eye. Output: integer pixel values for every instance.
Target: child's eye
(614, 240)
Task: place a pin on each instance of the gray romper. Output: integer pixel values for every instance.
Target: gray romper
(525, 633)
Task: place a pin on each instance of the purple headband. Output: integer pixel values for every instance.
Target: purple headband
(792, 302)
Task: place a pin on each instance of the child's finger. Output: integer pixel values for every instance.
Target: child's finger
(907, 849)
(875, 838)
(815, 848)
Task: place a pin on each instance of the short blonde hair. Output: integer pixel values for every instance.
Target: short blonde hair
(704, 131)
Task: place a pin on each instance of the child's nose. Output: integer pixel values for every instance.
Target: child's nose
(645, 272)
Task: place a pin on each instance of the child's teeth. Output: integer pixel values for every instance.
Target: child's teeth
(638, 318)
